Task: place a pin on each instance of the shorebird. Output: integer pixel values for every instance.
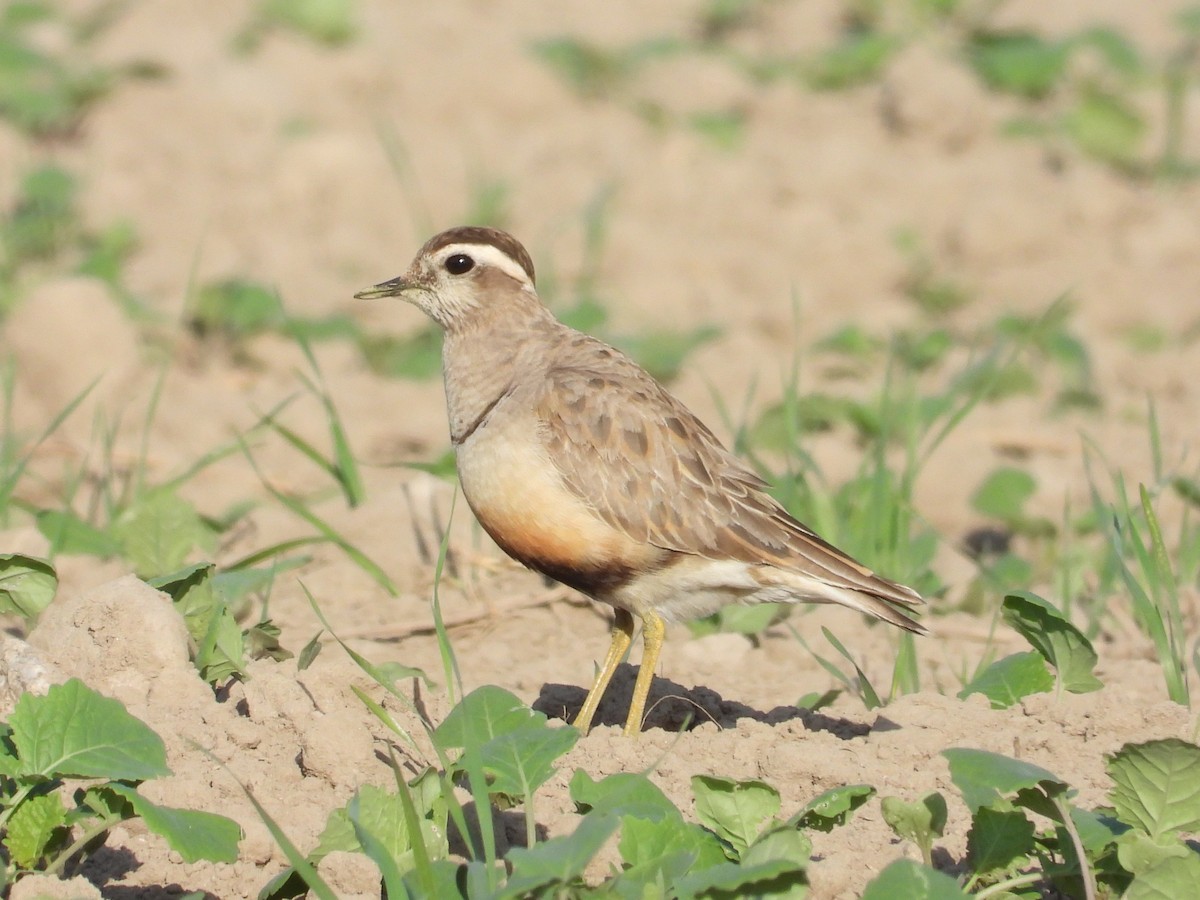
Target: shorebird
(582, 467)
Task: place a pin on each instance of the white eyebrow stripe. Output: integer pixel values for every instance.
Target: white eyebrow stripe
(488, 255)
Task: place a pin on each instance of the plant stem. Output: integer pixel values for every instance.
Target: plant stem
(60, 861)
(1085, 870)
(999, 887)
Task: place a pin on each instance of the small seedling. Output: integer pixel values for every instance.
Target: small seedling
(73, 733)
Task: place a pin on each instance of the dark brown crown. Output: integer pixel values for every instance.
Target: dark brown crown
(475, 234)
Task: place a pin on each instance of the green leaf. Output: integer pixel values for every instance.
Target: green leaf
(1096, 830)
(998, 839)
(833, 807)
(666, 849)
(1008, 680)
(68, 533)
(736, 811)
(629, 794)
(783, 843)
(220, 643)
(236, 308)
(739, 619)
(912, 881)
(859, 57)
(1004, 493)
(262, 642)
(159, 531)
(378, 812)
(1106, 127)
(74, 732)
(193, 834)
(309, 652)
(325, 21)
(27, 584)
(558, 860)
(1172, 878)
(519, 762)
(920, 821)
(417, 357)
(1139, 853)
(1018, 62)
(774, 878)
(192, 592)
(983, 777)
(1156, 786)
(1061, 643)
(222, 652)
(34, 826)
(483, 714)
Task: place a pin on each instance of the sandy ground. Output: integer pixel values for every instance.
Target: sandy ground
(275, 166)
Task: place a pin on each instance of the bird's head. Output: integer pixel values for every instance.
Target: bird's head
(460, 271)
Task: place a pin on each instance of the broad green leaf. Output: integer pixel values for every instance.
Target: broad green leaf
(377, 838)
(1172, 878)
(920, 821)
(1139, 853)
(665, 849)
(68, 533)
(1107, 127)
(629, 794)
(27, 584)
(159, 531)
(1096, 830)
(982, 777)
(558, 860)
(1018, 62)
(1004, 493)
(1061, 643)
(446, 878)
(777, 877)
(483, 714)
(519, 762)
(784, 843)
(75, 732)
(736, 811)
(645, 840)
(193, 834)
(1156, 786)
(35, 824)
(833, 807)
(998, 839)
(1008, 680)
(912, 881)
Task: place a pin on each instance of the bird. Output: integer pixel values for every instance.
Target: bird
(583, 467)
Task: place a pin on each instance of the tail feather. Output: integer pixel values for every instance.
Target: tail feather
(877, 597)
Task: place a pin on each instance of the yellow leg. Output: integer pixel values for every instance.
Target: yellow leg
(622, 635)
(653, 631)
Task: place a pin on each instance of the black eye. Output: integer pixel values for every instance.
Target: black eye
(459, 264)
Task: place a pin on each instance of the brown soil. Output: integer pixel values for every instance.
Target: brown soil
(271, 166)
